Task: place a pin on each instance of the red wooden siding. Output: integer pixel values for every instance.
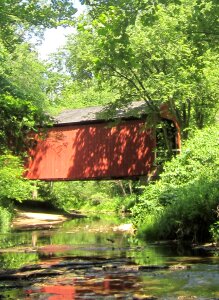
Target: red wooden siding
(92, 151)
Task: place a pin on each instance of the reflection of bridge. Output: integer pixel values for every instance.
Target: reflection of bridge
(82, 145)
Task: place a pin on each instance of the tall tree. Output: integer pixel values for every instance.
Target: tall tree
(22, 95)
(23, 78)
(160, 51)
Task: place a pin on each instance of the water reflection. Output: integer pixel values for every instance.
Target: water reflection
(88, 287)
(91, 260)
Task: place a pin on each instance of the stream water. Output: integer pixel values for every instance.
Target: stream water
(89, 258)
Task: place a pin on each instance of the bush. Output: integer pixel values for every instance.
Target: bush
(13, 187)
(214, 231)
(5, 219)
(182, 202)
(83, 195)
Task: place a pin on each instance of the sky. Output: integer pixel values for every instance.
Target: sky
(56, 37)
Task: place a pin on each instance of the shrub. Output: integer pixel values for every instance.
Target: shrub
(181, 203)
(5, 219)
(12, 187)
(83, 195)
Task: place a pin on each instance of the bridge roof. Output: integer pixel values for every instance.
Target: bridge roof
(136, 109)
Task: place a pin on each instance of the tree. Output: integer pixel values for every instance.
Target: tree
(22, 95)
(18, 17)
(23, 78)
(164, 51)
(26, 75)
(23, 87)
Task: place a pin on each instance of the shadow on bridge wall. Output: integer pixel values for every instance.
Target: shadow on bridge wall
(93, 151)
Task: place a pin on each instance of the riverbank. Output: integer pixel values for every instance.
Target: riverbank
(33, 220)
(29, 220)
(39, 215)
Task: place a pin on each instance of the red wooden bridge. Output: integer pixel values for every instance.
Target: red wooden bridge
(83, 145)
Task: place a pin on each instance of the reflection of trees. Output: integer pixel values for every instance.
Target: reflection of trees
(83, 233)
(16, 260)
(149, 256)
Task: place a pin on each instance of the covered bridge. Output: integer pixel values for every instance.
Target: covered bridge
(82, 144)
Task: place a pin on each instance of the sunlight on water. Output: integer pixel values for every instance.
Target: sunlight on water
(90, 259)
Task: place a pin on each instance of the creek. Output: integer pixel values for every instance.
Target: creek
(90, 258)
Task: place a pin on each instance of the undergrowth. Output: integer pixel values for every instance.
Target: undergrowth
(182, 203)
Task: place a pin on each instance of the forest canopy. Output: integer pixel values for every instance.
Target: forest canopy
(162, 51)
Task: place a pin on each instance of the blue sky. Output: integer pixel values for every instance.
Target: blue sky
(55, 38)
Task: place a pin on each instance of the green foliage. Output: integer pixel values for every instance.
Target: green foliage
(113, 196)
(75, 94)
(13, 185)
(22, 96)
(18, 17)
(23, 87)
(27, 75)
(214, 231)
(17, 260)
(164, 51)
(17, 118)
(5, 218)
(214, 228)
(67, 88)
(181, 203)
(199, 156)
(23, 78)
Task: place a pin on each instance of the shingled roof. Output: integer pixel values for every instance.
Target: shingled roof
(99, 113)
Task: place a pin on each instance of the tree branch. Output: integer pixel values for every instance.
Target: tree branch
(141, 85)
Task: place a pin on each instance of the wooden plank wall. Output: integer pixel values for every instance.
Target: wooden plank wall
(92, 151)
